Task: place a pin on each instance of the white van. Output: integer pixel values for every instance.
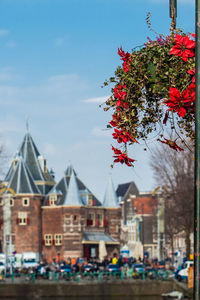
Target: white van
(18, 260)
(30, 260)
(183, 273)
(2, 258)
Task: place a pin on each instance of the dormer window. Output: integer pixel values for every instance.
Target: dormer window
(90, 200)
(52, 200)
(15, 161)
(43, 163)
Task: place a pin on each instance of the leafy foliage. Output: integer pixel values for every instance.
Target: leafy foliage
(154, 91)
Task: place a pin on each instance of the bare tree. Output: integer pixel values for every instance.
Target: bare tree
(175, 172)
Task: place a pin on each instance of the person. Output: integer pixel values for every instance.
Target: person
(114, 260)
(73, 261)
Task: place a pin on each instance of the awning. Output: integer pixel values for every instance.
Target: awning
(96, 237)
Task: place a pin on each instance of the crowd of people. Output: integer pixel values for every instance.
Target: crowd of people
(77, 268)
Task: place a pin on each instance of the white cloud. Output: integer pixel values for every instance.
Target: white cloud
(96, 99)
(4, 32)
(55, 89)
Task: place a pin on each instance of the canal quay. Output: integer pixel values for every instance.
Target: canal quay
(112, 289)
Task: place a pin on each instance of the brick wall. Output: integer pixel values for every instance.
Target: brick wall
(27, 237)
(52, 223)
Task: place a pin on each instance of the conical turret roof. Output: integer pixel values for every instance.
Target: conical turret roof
(110, 197)
(35, 163)
(30, 153)
(73, 194)
(69, 170)
(63, 186)
(21, 180)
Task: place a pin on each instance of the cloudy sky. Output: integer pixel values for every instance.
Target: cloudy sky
(55, 56)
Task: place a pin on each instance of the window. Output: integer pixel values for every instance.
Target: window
(75, 218)
(25, 201)
(90, 200)
(15, 161)
(22, 218)
(90, 220)
(52, 200)
(100, 220)
(48, 239)
(11, 202)
(58, 239)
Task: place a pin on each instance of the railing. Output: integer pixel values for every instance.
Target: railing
(100, 275)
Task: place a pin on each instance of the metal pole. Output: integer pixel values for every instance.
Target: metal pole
(173, 13)
(143, 229)
(196, 291)
(158, 227)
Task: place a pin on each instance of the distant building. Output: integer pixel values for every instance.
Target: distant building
(139, 222)
(58, 220)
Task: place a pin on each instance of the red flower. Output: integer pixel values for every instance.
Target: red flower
(120, 94)
(123, 136)
(192, 72)
(114, 122)
(126, 59)
(122, 157)
(181, 103)
(171, 144)
(184, 47)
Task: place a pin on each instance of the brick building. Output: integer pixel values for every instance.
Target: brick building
(139, 220)
(58, 220)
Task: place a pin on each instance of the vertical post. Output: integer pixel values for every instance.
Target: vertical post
(143, 241)
(173, 13)
(160, 225)
(196, 293)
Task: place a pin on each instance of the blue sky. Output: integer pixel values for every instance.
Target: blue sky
(55, 56)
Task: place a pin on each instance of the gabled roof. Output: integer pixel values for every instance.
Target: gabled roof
(125, 188)
(21, 180)
(110, 197)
